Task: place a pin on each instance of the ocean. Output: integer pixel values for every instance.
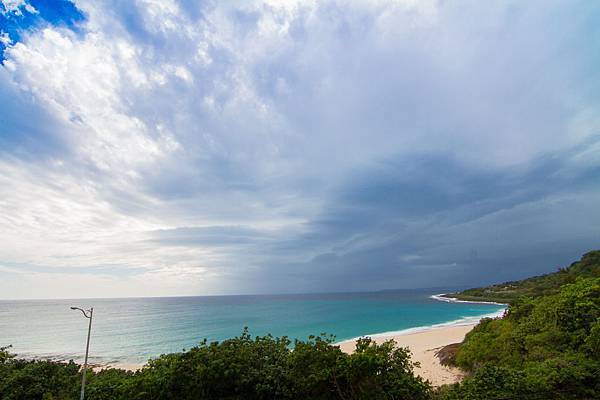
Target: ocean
(132, 330)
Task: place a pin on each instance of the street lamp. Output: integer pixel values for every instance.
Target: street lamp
(88, 314)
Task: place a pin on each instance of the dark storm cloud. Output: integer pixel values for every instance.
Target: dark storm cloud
(431, 219)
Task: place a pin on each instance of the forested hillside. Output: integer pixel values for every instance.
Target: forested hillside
(547, 346)
(543, 285)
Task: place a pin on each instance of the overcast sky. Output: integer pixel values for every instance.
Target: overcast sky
(190, 148)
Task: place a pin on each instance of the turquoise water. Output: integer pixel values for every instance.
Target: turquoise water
(135, 329)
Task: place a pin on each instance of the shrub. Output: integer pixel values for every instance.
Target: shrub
(240, 368)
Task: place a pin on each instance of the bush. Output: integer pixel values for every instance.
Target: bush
(26, 380)
(547, 347)
(240, 368)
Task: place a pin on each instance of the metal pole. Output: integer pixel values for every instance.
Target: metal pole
(87, 349)
(87, 346)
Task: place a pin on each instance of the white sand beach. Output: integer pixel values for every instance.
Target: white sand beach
(423, 346)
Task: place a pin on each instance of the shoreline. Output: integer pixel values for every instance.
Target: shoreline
(465, 321)
(421, 340)
(424, 342)
(442, 297)
(424, 347)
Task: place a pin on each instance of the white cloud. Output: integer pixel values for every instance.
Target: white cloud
(82, 83)
(16, 6)
(162, 15)
(5, 38)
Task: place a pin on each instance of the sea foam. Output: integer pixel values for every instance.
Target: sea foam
(457, 322)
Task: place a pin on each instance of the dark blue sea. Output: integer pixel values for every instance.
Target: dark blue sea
(132, 330)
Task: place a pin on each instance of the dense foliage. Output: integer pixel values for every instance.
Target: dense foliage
(240, 368)
(24, 380)
(544, 348)
(543, 285)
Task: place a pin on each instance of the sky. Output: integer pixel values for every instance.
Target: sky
(161, 147)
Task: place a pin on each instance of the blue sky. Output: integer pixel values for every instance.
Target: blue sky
(191, 148)
(18, 17)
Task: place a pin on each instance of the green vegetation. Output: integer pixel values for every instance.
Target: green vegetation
(240, 368)
(24, 380)
(546, 347)
(543, 285)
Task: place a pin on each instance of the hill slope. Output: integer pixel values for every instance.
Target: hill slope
(543, 285)
(547, 345)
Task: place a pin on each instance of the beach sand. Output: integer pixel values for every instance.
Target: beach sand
(119, 365)
(423, 346)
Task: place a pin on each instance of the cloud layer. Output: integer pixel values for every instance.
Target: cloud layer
(177, 148)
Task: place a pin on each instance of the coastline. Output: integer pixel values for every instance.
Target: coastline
(466, 321)
(442, 297)
(424, 347)
(424, 342)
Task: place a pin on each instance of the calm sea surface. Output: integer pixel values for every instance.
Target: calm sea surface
(134, 329)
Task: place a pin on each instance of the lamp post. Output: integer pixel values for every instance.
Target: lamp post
(88, 314)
